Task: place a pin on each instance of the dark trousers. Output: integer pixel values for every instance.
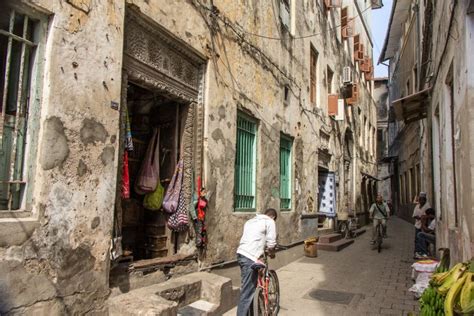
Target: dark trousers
(248, 284)
(422, 241)
(416, 238)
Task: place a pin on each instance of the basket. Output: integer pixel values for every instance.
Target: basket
(343, 216)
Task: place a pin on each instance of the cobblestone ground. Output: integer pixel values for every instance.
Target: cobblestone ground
(379, 281)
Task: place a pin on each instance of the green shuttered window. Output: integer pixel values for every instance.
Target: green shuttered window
(285, 172)
(18, 43)
(245, 163)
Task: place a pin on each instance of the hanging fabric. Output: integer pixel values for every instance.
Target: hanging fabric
(199, 223)
(178, 221)
(128, 133)
(171, 199)
(149, 174)
(125, 177)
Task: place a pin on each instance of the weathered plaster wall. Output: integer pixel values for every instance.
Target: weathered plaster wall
(248, 73)
(61, 265)
(459, 237)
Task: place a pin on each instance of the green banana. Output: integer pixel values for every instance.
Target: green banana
(467, 292)
(455, 273)
(452, 295)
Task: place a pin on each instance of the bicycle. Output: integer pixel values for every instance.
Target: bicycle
(348, 227)
(266, 301)
(380, 235)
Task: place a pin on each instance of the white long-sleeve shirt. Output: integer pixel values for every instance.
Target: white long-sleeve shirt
(259, 232)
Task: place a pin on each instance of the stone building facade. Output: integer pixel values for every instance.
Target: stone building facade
(218, 84)
(381, 97)
(430, 90)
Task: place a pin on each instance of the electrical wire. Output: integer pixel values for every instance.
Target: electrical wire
(215, 13)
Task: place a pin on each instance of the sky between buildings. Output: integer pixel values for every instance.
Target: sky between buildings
(380, 18)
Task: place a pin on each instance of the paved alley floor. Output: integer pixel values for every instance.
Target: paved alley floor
(371, 283)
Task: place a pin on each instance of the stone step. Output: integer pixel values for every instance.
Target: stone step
(335, 246)
(359, 232)
(326, 239)
(198, 308)
(168, 297)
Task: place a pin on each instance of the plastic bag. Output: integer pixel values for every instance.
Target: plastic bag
(154, 200)
(149, 174)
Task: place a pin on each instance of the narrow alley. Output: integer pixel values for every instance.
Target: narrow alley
(355, 281)
(153, 154)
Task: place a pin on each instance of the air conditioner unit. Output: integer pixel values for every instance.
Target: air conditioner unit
(340, 110)
(285, 13)
(332, 3)
(347, 74)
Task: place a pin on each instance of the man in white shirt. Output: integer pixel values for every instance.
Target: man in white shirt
(259, 233)
(419, 212)
(426, 235)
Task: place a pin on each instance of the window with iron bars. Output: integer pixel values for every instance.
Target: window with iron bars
(245, 164)
(285, 172)
(19, 35)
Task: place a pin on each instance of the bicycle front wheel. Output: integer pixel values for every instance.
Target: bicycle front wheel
(259, 308)
(273, 293)
(379, 238)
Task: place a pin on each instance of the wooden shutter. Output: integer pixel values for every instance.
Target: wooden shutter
(356, 43)
(332, 104)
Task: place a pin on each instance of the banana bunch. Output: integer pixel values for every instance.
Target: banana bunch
(450, 291)
(431, 303)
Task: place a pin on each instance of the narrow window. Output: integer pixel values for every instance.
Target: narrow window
(245, 163)
(285, 172)
(17, 50)
(329, 80)
(312, 74)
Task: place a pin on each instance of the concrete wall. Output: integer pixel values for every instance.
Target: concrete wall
(62, 244)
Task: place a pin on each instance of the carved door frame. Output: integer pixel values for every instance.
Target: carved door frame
(156, 60)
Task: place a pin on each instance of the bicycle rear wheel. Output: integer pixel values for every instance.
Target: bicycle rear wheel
(273, 293)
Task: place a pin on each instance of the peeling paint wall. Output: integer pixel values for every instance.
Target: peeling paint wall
(59, 263)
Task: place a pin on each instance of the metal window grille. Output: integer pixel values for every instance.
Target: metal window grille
(285, 172)
(245, 164)
(17, 47)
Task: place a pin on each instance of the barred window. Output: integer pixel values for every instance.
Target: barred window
(245, 163)
(18, 44)
(285, 172)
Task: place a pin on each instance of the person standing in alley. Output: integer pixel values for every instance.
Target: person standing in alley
(259, 236)
(419, 212)
(379, 212)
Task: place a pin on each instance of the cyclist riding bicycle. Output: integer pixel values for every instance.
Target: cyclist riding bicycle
(379, 212)
(259, 236)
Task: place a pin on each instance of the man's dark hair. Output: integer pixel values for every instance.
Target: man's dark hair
(430, 211)
(271, 212)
